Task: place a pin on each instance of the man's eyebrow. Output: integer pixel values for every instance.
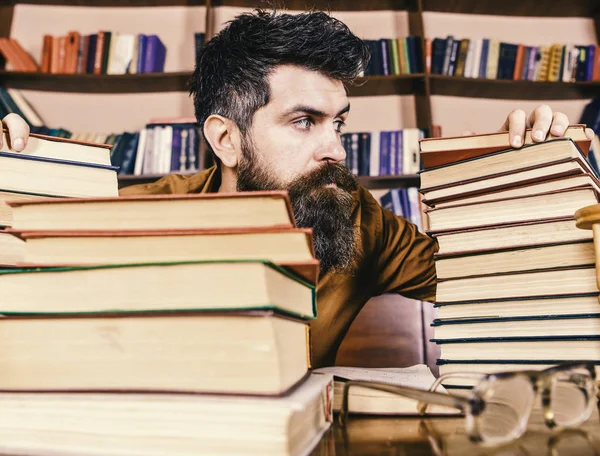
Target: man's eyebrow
(313, 111)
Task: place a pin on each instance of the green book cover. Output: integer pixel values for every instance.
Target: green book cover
(407, 57)
(395, 57)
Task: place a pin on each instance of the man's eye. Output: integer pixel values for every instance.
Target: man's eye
(339, 125)
(303, 124)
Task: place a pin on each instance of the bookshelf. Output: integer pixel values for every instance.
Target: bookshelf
(421, 86)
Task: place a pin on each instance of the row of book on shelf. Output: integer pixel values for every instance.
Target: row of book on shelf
(165, 144)
(384, 153)
(109, 52)
(516, 277)
(395, 56)
(104, 52)
(156, 372)
(492, 59)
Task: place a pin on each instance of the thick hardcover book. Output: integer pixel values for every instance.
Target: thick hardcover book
(565, 173)
(291, 248)
(251, 352)
(544, 349)
(168, 424)
(552, 338)
(548, 205)
(517, 327)
(156, 212)
(442, 151)
(157, 287)
(503, 162)
(52, 147)
(533, 188)
(534, 257)
(558, 229)
(574, 281)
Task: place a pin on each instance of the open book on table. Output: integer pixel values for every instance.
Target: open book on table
(368, 401)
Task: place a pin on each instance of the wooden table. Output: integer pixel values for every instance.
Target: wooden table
(389, 436)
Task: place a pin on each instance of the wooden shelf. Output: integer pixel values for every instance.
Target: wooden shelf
(408, 84)
(382, 182)
(170, 82)
(92, 83)
(372, 182)
(512, 90)
(552, 8)
(105, 3)
(129, 179)
(412, 84)
(572, 8)
(332, 5)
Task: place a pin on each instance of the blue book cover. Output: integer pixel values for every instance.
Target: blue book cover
(384, 153)
(438, 50)
(453, 57)
(142, 40)
(89, 66)
(485, 46)
(386, 201)
(154, 55)
(385, 61)
(364, 152)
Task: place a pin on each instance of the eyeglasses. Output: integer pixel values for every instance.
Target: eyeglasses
(498, 407)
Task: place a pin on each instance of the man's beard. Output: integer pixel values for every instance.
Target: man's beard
(327, 210)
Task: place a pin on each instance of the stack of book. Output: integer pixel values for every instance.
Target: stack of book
(49, 167)
(170, 324)
(516, 277)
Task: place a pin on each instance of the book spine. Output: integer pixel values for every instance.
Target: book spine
(374, 161)
(384, 57)
(365, 154)
(453, 57)
(485, 44)
(101, 36)
(590, 59)
(91, 56)
(384, 156)
(354, 153)
(46, 54)
(447, 54)
(400, 152)
(438, 47)
(150, 53)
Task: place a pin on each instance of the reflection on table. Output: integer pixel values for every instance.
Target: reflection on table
(446, 437)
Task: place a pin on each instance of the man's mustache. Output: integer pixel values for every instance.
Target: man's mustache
(329, 173)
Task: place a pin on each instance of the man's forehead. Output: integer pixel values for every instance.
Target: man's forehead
(292, 86)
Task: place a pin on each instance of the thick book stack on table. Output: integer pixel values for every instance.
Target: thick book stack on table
(516, 277)
(49, 167)
(173, 324)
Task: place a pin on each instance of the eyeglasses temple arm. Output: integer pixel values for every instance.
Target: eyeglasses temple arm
(413, 393)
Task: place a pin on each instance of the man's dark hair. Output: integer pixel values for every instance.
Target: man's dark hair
(230, 78)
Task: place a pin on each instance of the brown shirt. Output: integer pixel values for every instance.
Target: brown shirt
(395, 258)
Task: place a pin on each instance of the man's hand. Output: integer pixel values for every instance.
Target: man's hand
(541, 120)
(18, 132)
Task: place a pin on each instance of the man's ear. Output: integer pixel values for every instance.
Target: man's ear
(221, 133)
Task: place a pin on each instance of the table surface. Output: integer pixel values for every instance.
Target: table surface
(445, 436)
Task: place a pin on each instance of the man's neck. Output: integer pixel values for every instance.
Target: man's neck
(228, 181)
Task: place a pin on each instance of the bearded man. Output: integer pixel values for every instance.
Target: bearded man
(270, 94)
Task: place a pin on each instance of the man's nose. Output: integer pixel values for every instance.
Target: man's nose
(331, 149)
